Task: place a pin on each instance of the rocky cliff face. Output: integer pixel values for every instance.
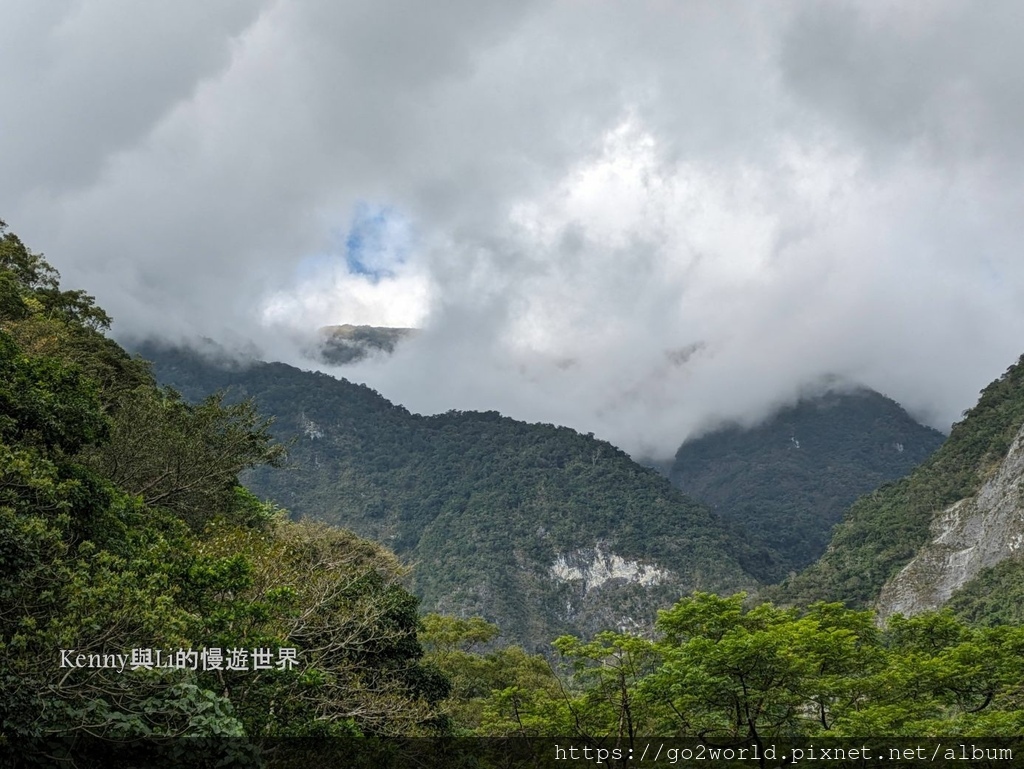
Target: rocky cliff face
(967, 537)
(594, 567)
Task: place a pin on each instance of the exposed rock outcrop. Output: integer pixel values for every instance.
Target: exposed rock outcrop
(968, 536)
(594, 567)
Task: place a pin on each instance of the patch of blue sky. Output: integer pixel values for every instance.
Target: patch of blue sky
(375, 245)
(377, 242)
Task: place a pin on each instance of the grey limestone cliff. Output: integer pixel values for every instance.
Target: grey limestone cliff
(968, 536)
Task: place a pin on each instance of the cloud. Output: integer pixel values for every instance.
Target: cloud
(636, 219)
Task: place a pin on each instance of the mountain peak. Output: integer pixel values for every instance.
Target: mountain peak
(348, 343)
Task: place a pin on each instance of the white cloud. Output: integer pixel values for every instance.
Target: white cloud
(589, 192)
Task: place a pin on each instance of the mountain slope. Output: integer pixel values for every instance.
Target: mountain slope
(967, 537)
(885, 530)
(535, 527)
(346, 343)
(788, 481)
(995, 596)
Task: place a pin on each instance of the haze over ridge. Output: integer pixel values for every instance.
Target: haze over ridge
(634, 219)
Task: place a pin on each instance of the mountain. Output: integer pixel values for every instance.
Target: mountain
(788, 481)
(535, 527)
(346, 343)
(952, 531)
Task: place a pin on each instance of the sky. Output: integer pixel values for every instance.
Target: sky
(639, 219)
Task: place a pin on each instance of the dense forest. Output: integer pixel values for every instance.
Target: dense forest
(124, 533)
(484, 505)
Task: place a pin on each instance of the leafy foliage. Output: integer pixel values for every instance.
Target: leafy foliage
(994, 597)
(728, 675)
(182, 457)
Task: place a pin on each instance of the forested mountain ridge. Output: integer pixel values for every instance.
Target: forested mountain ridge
(971, 478)
(536, 527)
(788, 481)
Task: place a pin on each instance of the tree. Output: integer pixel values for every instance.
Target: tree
(339, 601)
(181, 457)
(39, 283)
(607, 705)
(734, 676)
